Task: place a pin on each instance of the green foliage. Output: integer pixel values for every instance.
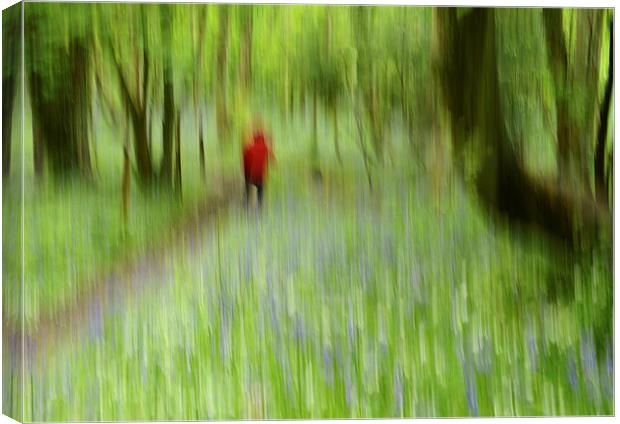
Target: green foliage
(337, 301)
(372, 307)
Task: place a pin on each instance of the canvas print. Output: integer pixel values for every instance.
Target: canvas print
(224, 211)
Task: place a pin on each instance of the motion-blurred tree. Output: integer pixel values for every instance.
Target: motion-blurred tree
(59, 74)
(11, 53)
(466, 55)
(166, 18)
(131, 55)
(221, 78)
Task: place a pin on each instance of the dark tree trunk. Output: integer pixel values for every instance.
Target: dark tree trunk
(11, 53)
(602, 187)
(9, 89)
(136, 105)
(178, 180)
(37, 148)
(201, 149)
(198, 51)
(168, 130)
(8, 100)
(141, 149)
(80, 106)
(169, 112)
(469, 81)
(61, 121)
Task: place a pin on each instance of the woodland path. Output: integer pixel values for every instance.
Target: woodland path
(129, 280)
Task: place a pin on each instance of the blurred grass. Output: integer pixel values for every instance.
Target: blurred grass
(74, 230)
(340, 302)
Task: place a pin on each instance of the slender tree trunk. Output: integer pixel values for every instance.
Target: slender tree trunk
(179, 184)
(336, 142)
(168, 128)
(287, 97)
(37, 147)
(316, 168)
(169, 108)
(245, 62)
(126, 184)
(360, 130)
(201, 149)
(221, 78)
(375, 118)
(198, 110)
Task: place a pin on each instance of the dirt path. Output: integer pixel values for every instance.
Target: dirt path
(111, 290)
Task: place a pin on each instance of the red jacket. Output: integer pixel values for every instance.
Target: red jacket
(255, 159)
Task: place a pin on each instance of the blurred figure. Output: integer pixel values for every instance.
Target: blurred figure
(256, 156)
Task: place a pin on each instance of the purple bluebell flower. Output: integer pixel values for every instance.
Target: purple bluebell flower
(300, 331)
(609, 360)
(328, 365)
(398, 391)
(571, 370)
(349, 388)
(472, 397)
(532, 349)
(484, 359)
(95, 320)
(350, 327)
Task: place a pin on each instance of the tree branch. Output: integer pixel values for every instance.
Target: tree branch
(123, 83)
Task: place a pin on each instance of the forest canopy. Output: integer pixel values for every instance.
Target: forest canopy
(527, 115)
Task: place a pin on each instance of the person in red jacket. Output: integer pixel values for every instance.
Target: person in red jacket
(256, 156)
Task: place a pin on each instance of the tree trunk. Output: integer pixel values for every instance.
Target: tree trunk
(602, 187)
(586, 70)
(169, 112)
(141, 149)
(11, 53)
(336, 142)
(168, 130)
(469, 82)
(80, 106)
(201, 149)
(316, 168)
(37, 147)
(126, 184)
(179, 184)
(8, 100)
(375, 118)
(221, 78)
(557, 57)
(63, 119)
(573, 161)
(198, 52)
(245, 48)
(360, 131)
